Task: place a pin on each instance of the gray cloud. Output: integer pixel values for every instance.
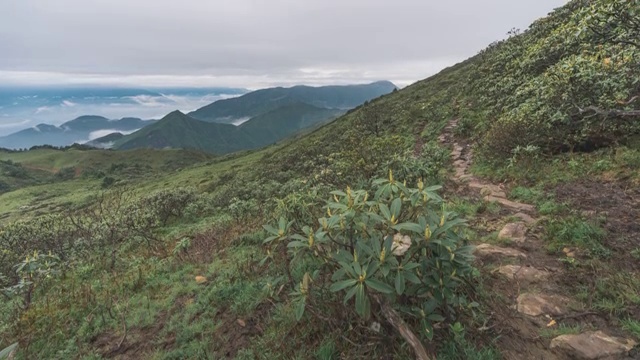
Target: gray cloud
(248, 43)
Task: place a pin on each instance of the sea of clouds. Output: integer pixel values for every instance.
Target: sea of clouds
(18, 112)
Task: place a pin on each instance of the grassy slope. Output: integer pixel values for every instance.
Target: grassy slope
(165, 308)
(278, 124)
(45, 189)
(177, 130)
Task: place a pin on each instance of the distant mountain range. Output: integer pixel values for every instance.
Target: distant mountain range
(79, 130)
(253, 120)
(262, 101)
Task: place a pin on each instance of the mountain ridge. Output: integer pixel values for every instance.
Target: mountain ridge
(76, 130)
(268, 116)
(264, 100)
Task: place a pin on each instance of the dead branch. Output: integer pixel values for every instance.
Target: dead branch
(124, 324)
(609, 112)
(396, 321)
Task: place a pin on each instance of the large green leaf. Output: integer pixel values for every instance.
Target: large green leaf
(340, 285)
(379, 286)
(400, 284)
(4, 354)
(416, 228)
(396, 206)
(300, 306)
(384, 209)
(360, 300)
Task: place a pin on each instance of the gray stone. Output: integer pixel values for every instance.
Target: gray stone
(514, 231)
(460, 163)
(488, 250)
(523, 273)
(488, 189)
(541, 304)
(526, 218)
(511, 204)
(593, 345)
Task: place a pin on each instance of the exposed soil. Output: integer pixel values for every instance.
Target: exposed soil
(235, 334)
(137, 342)
(618, 206)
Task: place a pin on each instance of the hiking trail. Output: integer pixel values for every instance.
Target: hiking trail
(526, 281)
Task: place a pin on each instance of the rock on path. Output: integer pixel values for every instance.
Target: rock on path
(593, 345)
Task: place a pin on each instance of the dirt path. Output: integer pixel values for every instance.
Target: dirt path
(525, 283)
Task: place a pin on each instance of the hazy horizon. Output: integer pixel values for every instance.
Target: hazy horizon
(28, 107)
(247, 43)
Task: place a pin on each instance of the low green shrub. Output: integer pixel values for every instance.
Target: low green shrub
(396, 245)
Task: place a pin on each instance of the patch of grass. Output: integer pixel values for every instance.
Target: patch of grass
(632, 326)
(493, 239)
(609, 305)
(616, 293)
(465, 207)
(573, 231)
(562, 329)
(551, 207)
(466, 351)
(609, 163)
(527, 195)
(491, 207)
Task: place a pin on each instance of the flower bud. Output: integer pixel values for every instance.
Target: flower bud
(427, 233)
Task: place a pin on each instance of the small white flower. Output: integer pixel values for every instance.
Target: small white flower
(375, 326)
(401, 244)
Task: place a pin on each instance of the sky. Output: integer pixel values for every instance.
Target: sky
(247, 43)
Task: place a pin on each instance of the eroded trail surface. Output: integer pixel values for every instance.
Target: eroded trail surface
(525, 283)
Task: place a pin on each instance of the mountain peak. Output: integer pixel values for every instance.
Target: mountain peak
(384, 83)
(175, 113)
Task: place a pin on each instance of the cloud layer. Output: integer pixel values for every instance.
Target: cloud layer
(249, 43)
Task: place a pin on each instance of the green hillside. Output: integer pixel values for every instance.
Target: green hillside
(178, 130)
(106, 141)
(284, 121)
(266, 100)
(322, 239)
(49, 179)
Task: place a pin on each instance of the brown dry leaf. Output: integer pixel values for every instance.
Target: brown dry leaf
(551, 323)
(201, 279)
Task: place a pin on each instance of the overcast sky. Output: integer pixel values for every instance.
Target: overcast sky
(247, 43)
